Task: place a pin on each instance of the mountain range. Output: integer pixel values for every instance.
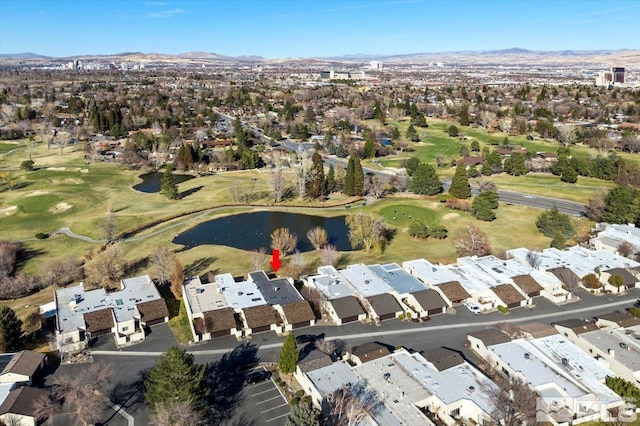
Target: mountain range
(512, 56)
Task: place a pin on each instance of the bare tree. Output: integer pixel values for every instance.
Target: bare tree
(318, 237)
(179, 413)
(513, 401)
(374, 186)
(162, 260)
(333, 347)
(485, 185)
(605, 145)
(352, 405)
(302, 175)
(329, 255)
(485, 118)
(315, 299)
(626, 249)
(569, 279)
(109, 226)
(367, 232)
(61, 271)
(472, 242)
(277, 180)
(107, 268)
(258, 258)
(33, 322)
(63, 140)
(567, 135)
(297, 265)
(504, 125)
(282, 239)
(177, 279)
(79, 396)
(534, 259)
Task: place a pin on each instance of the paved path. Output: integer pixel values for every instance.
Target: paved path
(377, 334)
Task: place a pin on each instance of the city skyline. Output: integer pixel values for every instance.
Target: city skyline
(292, 29)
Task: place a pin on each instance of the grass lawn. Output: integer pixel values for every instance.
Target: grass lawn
(8, 146)
(180, 325)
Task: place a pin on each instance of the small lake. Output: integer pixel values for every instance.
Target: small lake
(251, 231)
(151, 182)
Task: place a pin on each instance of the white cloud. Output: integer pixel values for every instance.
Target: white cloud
(165, 13)
(155, 3)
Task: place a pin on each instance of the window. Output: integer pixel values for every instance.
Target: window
(455, 413)
(125, 329)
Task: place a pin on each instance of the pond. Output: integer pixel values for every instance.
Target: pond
(151, 182)
(251, 231)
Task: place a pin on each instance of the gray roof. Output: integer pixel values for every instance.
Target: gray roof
(314, 360)
(370, 351)
(490, 336)
(577, 325)
(23, 401)
(277, 291)
(397, 278)
(443, 359)
(627, 278)
(384, 304)
(25, 363)
(347, 307)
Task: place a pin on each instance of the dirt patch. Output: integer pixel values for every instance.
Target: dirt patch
(450, 216)
(38, 192)
(7, 211)
(60, 207)
(56, 169)
(84, 170)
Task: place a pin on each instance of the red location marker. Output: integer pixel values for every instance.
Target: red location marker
(275, 262)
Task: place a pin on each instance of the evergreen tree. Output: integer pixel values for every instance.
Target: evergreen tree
(464, 115)
(425, 181)
(331, 179)
(358, 177)
(620, 206)
(554, 224)
(569, 175)
(412, 134)
(395, 134)
(453, 131)
(514, 165)
(303, 414)
(460, 187)
(486, 169)
(10, 331)
(349, 188)
(169, 187)
(316, 183)
(288, 355)
(411, 165)
(369, 148)
(483, 206)
(176, 378)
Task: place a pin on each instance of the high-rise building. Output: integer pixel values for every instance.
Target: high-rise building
(616, 75)
(375, 65)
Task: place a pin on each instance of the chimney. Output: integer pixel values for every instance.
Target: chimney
(612, 353)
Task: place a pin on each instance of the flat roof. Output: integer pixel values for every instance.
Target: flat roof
(397, 278)
(583, 368)
(421, 268)
(540, 371)
(626, 350)
(203, 297)
(481, 273)
(330, 283)
(277, 291)
(365, 281)
(462, 382)
(385, 376)
(239, 295)
(332, 377)
(620, 233)
(73, 302)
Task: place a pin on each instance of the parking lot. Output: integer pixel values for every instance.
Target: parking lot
(263, 404)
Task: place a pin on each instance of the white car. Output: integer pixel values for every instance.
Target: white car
(473, 308)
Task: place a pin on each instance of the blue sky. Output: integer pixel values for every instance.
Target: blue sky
(313, 28)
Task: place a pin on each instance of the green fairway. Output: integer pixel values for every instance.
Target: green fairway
(402, 215)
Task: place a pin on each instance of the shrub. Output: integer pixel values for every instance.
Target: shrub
(438, 232)
(503, 309)
(27, 165)
(616, 281)
(591, 281)
(41, 236)
(300, 394)
(295, 400)
(443, 198)
(635, 311)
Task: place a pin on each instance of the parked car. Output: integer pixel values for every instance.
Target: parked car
(258, 376)
(473, 308)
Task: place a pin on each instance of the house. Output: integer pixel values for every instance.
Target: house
(330, 283)
(479, 341)
(454, 293)
(216, 323)
(534, 330)
(296, 315)
(572, 328)
(617, 348)
(617, 319)
(257, 319)
(426, 303)
(610, 236)
(366, 352)
(628, 279)
(560, 373)
(84, 315)
(443, 359)
(528, 285)
(23, 367)
(345, 310)
(320, 383)
(21, 405)
(511, 297)
(214, 308)
(383, 307)
(471, 161)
